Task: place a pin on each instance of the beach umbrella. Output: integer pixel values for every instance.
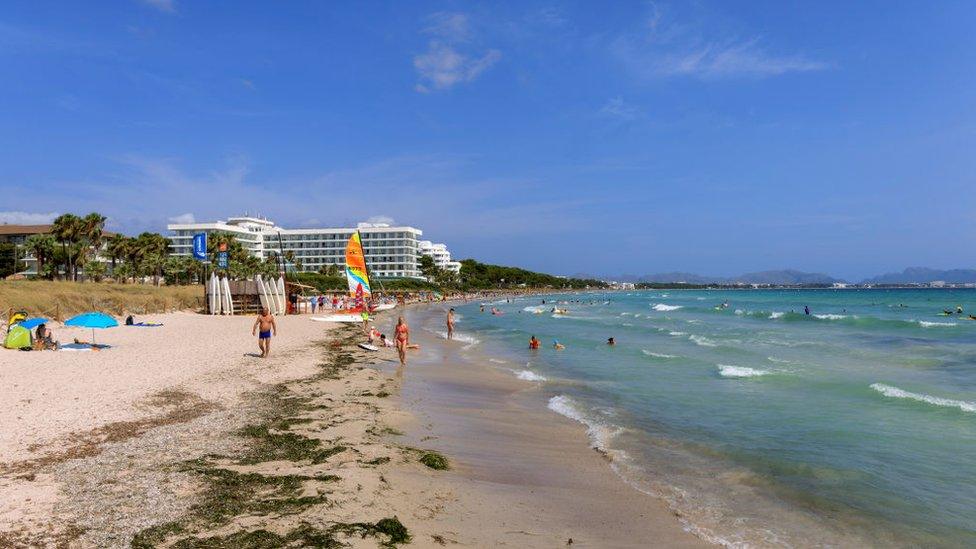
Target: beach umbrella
(32, 323)
(92, 320)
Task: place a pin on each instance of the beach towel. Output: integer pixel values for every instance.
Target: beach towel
(146, 324)
(81, 347)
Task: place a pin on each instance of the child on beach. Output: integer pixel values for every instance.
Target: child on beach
(267, 325)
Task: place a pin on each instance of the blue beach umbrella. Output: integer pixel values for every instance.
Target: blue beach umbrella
(32, 323)
(92, 320)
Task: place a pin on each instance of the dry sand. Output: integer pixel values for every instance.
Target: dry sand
(92, 443)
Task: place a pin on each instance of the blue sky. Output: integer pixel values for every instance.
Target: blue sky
(611, 137)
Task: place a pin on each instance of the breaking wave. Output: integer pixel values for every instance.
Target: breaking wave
(600, 433)
(895, 392)
(702, 341)
(529, 375)
(657, 355)
(726, 370)
(926, 324)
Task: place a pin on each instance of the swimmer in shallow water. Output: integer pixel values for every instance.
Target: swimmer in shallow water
(557, 345)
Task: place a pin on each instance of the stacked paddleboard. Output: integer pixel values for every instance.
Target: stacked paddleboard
(271, 293)
(219, 299)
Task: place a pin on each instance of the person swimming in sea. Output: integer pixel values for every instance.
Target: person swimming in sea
(806, 310)
(610, 341)
(557, 345)
(533, 343)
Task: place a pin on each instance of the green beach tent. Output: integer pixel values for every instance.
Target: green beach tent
(18, 337)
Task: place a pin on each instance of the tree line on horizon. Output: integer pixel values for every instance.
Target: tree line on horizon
(79, 245)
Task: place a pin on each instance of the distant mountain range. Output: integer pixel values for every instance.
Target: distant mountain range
(919, 275)
(911, 275)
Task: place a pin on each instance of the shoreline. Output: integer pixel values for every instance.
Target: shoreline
(528, 456)
(321, 441)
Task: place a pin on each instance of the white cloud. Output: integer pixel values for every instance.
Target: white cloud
(448, 60)
(381, 219)
(665, 48)
(721, 60)
(165, 6)
(441, 67)
(183, 218)
(26, 218)
(618, 108)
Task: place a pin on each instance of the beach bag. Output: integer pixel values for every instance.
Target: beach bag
(18, 337)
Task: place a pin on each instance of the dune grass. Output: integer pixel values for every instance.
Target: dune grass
(65, 299)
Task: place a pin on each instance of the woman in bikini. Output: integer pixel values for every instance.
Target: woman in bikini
(402, 336)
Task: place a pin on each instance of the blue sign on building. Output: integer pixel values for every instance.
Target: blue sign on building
(200, 246)
(222, 260)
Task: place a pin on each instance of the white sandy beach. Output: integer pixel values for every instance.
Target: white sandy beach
(49, 394)
(90, 439)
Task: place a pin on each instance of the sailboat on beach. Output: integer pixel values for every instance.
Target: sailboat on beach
(357, 278)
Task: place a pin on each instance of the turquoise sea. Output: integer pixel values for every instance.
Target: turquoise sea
(759, 424)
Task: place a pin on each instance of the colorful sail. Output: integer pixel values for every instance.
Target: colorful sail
(356, 268)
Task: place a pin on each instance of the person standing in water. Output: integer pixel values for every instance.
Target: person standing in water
(267, 325)
(402, 336)
(806, 309)
(450, 324)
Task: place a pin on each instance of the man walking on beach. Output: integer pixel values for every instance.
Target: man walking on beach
(450, 324)
(266, 323)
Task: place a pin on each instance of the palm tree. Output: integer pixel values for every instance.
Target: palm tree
(93, 228)
(117, 249)
(151, 251)
(67, 230)
(41, 246)
(290, 258)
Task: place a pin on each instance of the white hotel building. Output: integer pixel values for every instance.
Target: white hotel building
(442, 257)
(391, 252)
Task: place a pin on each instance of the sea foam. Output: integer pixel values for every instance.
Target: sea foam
(829, 316)
(463, 338)
(600, 434)
(895, 392)
(726, 370)
(702, 341)
(657, 355)
(664, 308)
(529, 375)
(927, 324)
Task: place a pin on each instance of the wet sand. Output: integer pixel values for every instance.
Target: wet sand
(523, 475)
